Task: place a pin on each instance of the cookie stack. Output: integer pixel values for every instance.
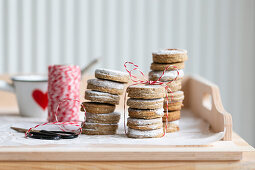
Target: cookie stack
(101, 118)
(145, 111)
(161, 60)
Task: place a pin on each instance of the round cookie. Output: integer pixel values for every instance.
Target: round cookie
(172, 116)
(170, 56)
(174, 97)
(97, 132)
(98, 108)
(168, 75)
(144, 124)
(162, 67)
(113, 75)
(173, 106)
(105, 86)
(145, 103)
(174, 86)
(102, 97)
(134, 133)
(146, 91)
(171, 126)
(100, 126)
(110, 118)
(145, 113)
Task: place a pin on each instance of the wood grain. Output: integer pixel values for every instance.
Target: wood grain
(248, 162)
(203, 99)
(194, 89)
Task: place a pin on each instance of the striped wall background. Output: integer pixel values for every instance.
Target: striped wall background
(218, 34)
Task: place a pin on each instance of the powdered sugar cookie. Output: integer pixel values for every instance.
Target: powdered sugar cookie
(98, 108)
(113, 75)
(170, 56)
(174, 97)
(144, 124)
(168, 75)
(162, 67)
(172, 126)
(145, 103)
(100, 126)
(134, 133)
(145, 113)
(172, 116)
(102, 97)
(110, 118)
(173, 106)
(146, 91)
(97, 132)
(105, 86)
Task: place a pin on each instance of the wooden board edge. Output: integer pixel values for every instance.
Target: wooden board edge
(195, 89)
(122, 156)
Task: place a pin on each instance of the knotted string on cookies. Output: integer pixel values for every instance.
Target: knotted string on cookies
(137, 81)
(62, 124)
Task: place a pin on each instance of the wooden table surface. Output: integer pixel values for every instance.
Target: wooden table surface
(8, 105)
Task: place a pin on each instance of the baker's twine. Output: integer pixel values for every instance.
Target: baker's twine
(61, 124)
(137, 80)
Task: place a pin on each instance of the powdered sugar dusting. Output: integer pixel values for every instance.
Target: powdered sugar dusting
(153, 126)
(144, 121)
(160, 112)
(93, 115)
(168, 75)
(170, 51)
(110, 72)
(176, 122)
(106, 83)
(102, 95)
(146, 100)
(145, 86)
(145, 133)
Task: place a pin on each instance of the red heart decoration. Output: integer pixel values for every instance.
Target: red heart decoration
(40, 98)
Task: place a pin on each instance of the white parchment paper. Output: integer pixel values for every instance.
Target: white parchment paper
(193, 131)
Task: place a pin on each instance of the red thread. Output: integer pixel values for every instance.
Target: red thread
(62, 123)
(63, 86)
(136, 81)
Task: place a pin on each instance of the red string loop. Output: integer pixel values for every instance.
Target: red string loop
(137, 80)
(62, 123)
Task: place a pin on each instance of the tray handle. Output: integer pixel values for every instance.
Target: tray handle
(203, 98)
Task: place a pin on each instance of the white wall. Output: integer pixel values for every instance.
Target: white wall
(219, 35)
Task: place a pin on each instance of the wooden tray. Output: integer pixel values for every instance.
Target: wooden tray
(201, 97)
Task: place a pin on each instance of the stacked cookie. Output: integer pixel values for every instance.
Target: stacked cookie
(145, 111)
(161, 60)
(101, 118)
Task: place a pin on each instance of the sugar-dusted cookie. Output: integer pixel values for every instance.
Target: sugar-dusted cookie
(172, 126)
(168, 75)
(172, 116)
(173, 106)
(146, 91)
(134, 133)
(144, 124)
(97, 132)
(98, 108)
(174, 97)
(113, 75)
(100, 126)
(102, 97)
(105, 86)
(162, 67)
(110, 118)
(174, 86)
(145, 103)
(170, 56)
(145, 113)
